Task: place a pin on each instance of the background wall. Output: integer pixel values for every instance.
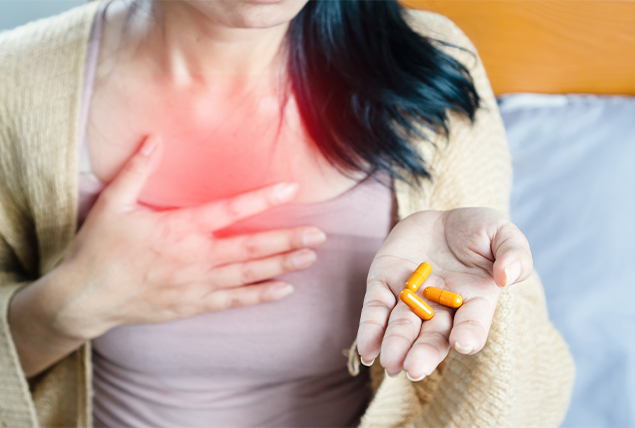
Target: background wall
(14, 13)
(549, 46)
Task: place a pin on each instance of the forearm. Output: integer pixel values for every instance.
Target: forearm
(39, 339)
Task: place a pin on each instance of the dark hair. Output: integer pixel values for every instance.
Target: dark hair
(365, 82)
(367, 85)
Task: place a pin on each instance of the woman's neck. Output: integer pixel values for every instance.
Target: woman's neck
(189, 48)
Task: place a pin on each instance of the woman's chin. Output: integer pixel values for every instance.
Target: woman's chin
(265, 1)
(251, 13)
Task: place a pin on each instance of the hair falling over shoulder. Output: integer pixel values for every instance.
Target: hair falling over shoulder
(365, 82)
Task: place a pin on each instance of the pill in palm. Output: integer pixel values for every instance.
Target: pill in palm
(414, 302)
(418, 276)
(443, 297)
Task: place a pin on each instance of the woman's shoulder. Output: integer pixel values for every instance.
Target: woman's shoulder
(435, 26)
(41, 72)
(48, 47)
(438, 27)
(54, 28)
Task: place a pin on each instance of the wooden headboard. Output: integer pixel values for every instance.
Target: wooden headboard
(553, 46)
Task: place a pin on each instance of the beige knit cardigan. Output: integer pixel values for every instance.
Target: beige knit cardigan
(523, 376)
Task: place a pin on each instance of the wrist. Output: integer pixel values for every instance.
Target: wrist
(46, 308)
(38, 342)
(71, 315)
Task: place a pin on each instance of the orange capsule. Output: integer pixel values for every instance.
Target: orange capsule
(414, 302)
(418, 276)
(443, 297)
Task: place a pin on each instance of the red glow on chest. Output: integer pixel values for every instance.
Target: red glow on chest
(219, 144)
(209, 159)
(196, 172)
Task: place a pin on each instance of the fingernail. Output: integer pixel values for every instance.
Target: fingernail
(313, 238)
(413, 379)
(391, 376)
(462, 349)
(286, 191)
(149, 145)
(281, 291)
(365, 363)
(304, 259)
(512, 272)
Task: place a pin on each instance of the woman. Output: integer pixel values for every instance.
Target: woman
(199, 121)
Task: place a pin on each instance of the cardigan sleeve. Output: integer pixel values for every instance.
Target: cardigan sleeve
(524, 375)
(16, 405)
(53, 398)
(41, 65)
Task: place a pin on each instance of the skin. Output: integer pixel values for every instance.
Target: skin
(473, 252)
(131, 265)
(210, 89)
(202, 80)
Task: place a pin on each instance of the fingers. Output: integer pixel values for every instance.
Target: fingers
(219, 214)
(265, 244)
(246, 296)
(472, 322)
(402, 331)
(513, 260)
(418, 348)
(252, 271)
(123, 191)
(414, 346)
(431, 347)
(378, 303)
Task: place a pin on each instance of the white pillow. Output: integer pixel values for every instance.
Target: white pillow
(574, 198)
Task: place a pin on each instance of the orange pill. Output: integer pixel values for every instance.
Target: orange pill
(414, 302)
(418, 276)
(443, 297)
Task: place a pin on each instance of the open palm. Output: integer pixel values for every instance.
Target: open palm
(473, 252)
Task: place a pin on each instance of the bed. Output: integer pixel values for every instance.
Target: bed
(564, 72)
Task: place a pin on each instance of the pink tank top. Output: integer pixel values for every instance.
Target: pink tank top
(275, 364)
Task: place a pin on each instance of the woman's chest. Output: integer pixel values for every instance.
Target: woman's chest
(211, 148)
(316, 322)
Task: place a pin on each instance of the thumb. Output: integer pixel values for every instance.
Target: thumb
(123, 191)
(513, 261)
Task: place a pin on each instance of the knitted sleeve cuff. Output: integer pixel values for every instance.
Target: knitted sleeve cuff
(16, 405)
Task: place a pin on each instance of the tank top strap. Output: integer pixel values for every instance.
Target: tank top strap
(90, 70)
